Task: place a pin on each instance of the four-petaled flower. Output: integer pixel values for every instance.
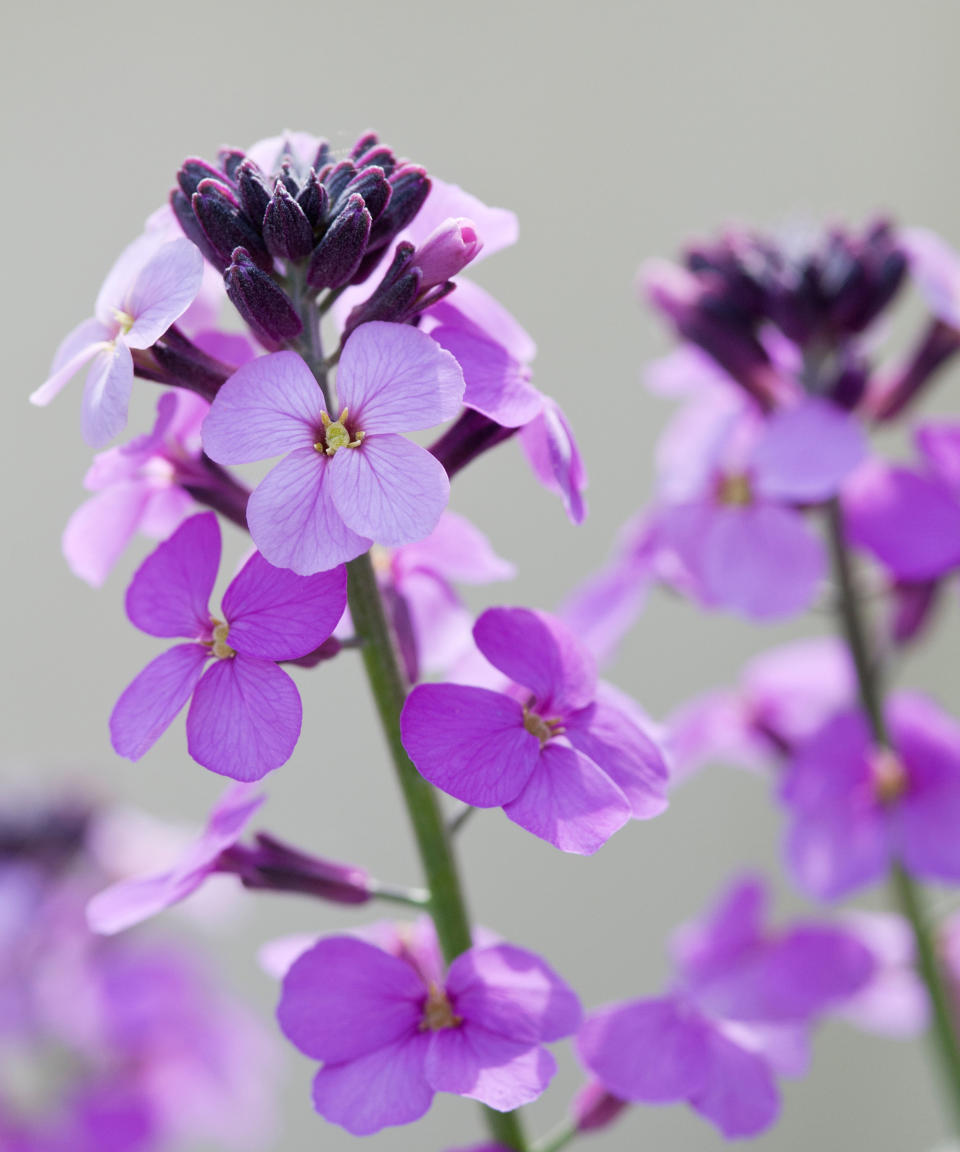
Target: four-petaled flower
(245, 716)
(561, 759)
(346, 481)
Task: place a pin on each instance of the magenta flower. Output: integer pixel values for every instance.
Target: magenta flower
(742, 1001)
(854, 808)
(391, 1034)
(244, 719)
(149, 287)
(349, 480)
(551, 750)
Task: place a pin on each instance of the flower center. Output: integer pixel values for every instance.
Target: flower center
(889, 775)
(337, 435)
(540, 727)
(437, 1012)
(735, 490)
(219, 646)
(124, 319)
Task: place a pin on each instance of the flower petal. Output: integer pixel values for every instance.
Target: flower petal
(496, 384)
(739, 1094)
(345, 997)
(277, 615)
(389, 489)
(383, 1088)
(245, 718)
(170, 591)
(553, 454)
(503, 1074)
(470, 742)
(164, 289)
(271, 405)
(99, 530)
(456, 550)
(106, 394)
(78, 347)
(805, 452)
(148, 706)
(569, 802)
(293, 520)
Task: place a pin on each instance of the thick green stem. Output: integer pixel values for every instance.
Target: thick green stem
(907, 895)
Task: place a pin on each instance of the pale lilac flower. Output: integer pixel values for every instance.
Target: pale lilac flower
(244, 719)
(391, 1034)
(349, 478)
(741, 1003)
(149, 287)
(561, 761)
(894, 1001)
(854, 808)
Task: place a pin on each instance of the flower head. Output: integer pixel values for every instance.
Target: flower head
(244, 719)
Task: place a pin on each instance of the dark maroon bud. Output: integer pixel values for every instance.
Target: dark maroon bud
(216, 488)
(274, 865)
(313, 199)
(401, 263)
(322, 157)
(468, 437)
(261, 302)
(373, 186)
(230, 161)
(183, 210)
(192, 171)
(254, 191)
(379, 157)
(188, 365)
(394, 304)
(939, 344)
(226, 227)
(338, 178)
(290, 182)
(286, 230)
(410, 186)
(367, 141)
(338, 255)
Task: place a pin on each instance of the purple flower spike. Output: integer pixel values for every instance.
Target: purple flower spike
(561, 760)
(742, 1001)
(854, 808)
(349, 480)
(244, 719)
(132, 901)
(391, 1034)
(150, 286)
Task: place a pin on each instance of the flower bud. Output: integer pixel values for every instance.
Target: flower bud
(286, 229)
(446, 251)
(225, 226)
(313, 199)
(276, 866)
(594, 1107)
(337, 257)
(254, 191)
(373, 186)
(261, 302)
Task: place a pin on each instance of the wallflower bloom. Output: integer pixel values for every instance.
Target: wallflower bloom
(853, 808)
(348, 479)
(392, 1033)
(561, 760)
(149, 287)
(739, 1011)
(245, 716)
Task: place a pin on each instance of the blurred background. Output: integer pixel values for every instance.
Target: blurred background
(615, 131)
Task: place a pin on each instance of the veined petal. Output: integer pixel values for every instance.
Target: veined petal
(456, 550)
(805, 452)
(78, 347)
(470, 742)
(271, 405)
(496, 384)
(553, 454)
(293, 520)
(345, 997)
(498, 227)
(394, 378)
(245, 718)
(389, 489)
(569, 802)
(164, 289)
(148, 706)
(106, 394)
(502, 1073)
(472, 306)
(113, 291)
(277, 615)
(170, 591)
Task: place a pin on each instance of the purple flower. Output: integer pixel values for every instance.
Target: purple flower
(131, 901)
(244, 719)
(139, 487)
(391, 1034)
(345, 481)
(742, 999)
(551, 750)
(149, 287)
(894, 1001)
(853, 808)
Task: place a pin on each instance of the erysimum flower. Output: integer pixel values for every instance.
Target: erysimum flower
(244, 719)
(391, 1033)
(347, 479)
(562, 761)
(149, 287)
(742, 1000)
(854, 808)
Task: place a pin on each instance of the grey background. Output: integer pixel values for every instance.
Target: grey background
(614, 130)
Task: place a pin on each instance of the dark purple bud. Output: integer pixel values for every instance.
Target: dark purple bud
(273, 865)
(367, 141)
(470, 435)
(225, 225)
(394, 303)
(230, 161)
(290, 181)
(261, 302)
(411, 186)
(379, 157)
(216, 488)
(594, 1107)
(850, 386)
(254, 191)
(890, 397)
(192, 171)
(338, 178)
(338, 255)
(322, 157)
(50, 837)
(286, 230)
(183, 210)
(373, 186)
(313, 199)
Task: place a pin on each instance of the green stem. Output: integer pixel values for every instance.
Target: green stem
(907, 894)
(560, 1138)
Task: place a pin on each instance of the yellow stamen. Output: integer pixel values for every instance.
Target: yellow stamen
(889, 775)
(735, 490)
(219, 646)
(336, 435)
(124, 319)
(540, 727)
(437, 1012)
